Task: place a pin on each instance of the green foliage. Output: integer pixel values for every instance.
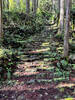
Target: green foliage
(45, 9)
(59, 37)
(12, 5)
(22, 5)
(72, 47)
(8, 61)
(73, 18)
(19, 26)
(73, 35)
(64, 63)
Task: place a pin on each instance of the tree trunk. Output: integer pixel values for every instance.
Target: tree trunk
(59, 5)
(34, 2)
(3, 4)
(61, 16)
(66, 35)
(0, 19)
(58, 14)
(37, 3)
(27, 6)
(18, 3)
(53, 5)
(8, 4)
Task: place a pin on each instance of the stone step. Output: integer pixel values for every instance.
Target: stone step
(33, 81)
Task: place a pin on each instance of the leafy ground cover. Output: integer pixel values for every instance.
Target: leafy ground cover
(42, 73)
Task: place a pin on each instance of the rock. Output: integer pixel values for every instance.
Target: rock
(21, 97)
(31, 81)
(40, 95)
(46, 93)
(72, 57)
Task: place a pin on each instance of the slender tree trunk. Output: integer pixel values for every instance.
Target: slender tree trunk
(1, 19)
(66, 35)
(34, 2)
(18, 3)
(58, 16)
(53, 5)
(3, 4)
(27, 6)
(37, 3)
(8, 4)
(61, 16)
(59, 5)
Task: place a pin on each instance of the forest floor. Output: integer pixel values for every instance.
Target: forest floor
(36, 77)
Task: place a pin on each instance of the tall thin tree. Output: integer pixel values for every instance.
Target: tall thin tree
(66, 35)
(37, 3)
(61, 16)
(53, 4)
(27, 6)
(1, 19)
(34, 3)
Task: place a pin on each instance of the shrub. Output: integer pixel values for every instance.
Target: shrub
(19, 26)
(8, 62)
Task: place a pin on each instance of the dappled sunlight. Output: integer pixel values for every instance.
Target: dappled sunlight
(32, 68)
(47, 68)
(40, 50)
(45, 44)
(61, 85)
(27, 69)
(68, 99)
(60, 50)
(25, 73)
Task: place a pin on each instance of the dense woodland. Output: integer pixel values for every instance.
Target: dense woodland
(37, 49)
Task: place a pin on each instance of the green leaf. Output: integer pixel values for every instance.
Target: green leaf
(64, 62)
(58, 64)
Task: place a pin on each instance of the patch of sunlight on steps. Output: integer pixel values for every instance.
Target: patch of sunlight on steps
(31, 70)
(50, 69)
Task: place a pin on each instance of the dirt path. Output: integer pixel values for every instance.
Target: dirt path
(36, 77)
